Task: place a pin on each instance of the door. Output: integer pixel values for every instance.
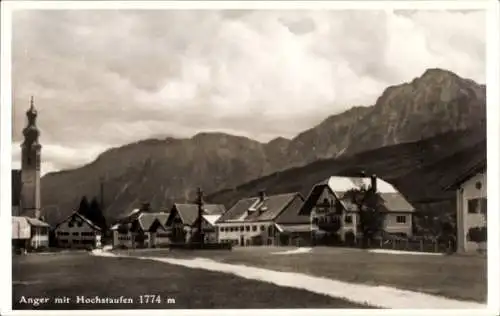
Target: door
(242, 241)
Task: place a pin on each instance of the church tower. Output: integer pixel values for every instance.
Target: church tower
(30, 166)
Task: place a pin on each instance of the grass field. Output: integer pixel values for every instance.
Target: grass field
(458, 277)
(81, 274)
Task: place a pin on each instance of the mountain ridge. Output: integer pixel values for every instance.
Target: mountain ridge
(168, 170)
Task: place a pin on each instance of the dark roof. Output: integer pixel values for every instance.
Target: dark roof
(146, 220)
(474, 167)
(16, 187)
(189, 212)
(89, 222)
(313, 197)
(292, 215)
(254, 209)
(391, 199)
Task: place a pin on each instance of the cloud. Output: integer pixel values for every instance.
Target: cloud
(107, 78)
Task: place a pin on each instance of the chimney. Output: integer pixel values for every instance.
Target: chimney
(373, 179)
(262, 195)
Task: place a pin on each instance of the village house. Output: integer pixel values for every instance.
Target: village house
(251, 221)
(335, 214)
(471, 194)
(141, 228)
(183, 220)
(293, 228)
(76, 231)
(29, 233)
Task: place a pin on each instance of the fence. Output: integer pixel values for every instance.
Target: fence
(413, 244)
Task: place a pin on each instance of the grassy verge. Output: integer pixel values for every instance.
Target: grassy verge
(76, 275)
(458, 277)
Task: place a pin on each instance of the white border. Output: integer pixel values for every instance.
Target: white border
(493, 131)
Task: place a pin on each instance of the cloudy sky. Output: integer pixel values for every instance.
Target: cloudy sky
(107, 78)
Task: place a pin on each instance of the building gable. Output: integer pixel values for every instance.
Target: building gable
(173, 217)
(258, 209)
(77, 221)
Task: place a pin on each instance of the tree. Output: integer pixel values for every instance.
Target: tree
(84, 206)
(198, 235)
(369, 205)
(95, 214)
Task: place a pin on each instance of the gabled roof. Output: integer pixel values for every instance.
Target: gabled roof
(391, 199)
(86, 220)
(16, 187)
(292, 215)
(36, 222)
(147, 219)
(189, 212)
(132, 215)
(254, 209)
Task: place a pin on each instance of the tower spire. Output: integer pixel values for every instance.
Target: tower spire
(30, 165)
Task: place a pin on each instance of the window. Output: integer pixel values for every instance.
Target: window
(221, 229)
(70, 224)
(247, 228)
(76, 241)
(401, 219)
(254, 228)
(231, 229)
(477, 206)
(262, 228)
(80, 224)
(348, 219)
(75, 234)
(242, 228)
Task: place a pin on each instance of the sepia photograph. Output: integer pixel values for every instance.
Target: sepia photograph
(170, 157)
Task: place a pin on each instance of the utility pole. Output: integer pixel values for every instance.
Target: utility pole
(102, 192)
(199, 201)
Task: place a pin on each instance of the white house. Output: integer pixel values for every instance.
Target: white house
(252, 221)
(29, 233)
(329, 209)
(76, 231)
(471, 194)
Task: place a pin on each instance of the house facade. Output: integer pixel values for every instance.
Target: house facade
(182, 221)
(471, 200)
(142, 229)
(29, 233)
(251, 221)
(336, 216)
(76, 231)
